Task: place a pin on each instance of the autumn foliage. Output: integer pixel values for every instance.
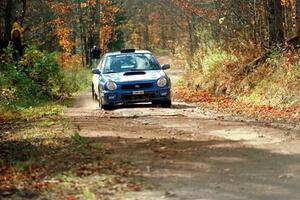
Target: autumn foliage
(238, 107)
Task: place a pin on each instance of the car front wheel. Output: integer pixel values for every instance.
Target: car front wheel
(94, 96)
(166, 104)
(101, 106)
(100, 99)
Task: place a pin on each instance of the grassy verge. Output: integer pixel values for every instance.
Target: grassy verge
(41, 157)
(234, 106)
(77, 80)
(37, 84)
(269, 90)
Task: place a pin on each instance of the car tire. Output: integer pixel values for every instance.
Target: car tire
(101, 106)
(94, 96)
(107, 107)
(166, 104)
(100, 99)
(156, 103)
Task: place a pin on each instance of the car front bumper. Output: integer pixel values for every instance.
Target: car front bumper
(138, 96)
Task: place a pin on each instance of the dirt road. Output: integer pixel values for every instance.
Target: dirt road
(188, 152)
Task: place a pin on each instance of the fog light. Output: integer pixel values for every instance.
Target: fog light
(164, 93)
(112, 97)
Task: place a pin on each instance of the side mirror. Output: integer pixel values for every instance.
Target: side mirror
(96, 71)
(165, 66)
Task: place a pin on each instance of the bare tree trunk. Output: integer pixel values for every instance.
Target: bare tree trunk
(8, 19)
(279, 21)
(216, 30)
(191, 37)
(163, 36)
(86, 45)
(289, 20)
(193, 42)
(276, 30)
(298, 18)
(255, 19)
(97, 19)
(81, 33)
(24, 8)
(146, 32)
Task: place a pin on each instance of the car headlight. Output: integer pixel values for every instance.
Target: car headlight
(162, 82)
(110, 85)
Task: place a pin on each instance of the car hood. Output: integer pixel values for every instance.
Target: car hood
(128, 76)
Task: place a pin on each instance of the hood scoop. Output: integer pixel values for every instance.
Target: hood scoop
(134, 73)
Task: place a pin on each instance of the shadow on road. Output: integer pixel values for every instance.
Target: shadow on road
(184, 166)
(213, 169)
(178, 165)
(149, 105)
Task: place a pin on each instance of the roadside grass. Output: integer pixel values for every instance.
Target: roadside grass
(38, 83)
(271, 89)
(42, 157)
(76, 80)
(275, 83)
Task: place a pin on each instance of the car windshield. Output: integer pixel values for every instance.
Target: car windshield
(130, 62)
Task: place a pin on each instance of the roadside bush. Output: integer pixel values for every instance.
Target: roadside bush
(215, 60)
(75, 80)
(44, 72)
(211, 70)
(75, 77)
(37, 78)
(275, 82)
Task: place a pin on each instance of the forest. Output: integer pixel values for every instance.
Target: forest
(240, 25)
(222, 42)
(234, 57)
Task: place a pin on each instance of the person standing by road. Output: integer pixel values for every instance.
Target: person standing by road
(95, 56)
(16, 37)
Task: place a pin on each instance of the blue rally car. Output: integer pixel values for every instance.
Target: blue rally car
(131, 76)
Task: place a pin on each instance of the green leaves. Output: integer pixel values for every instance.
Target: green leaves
(76, 138)
(36, 78)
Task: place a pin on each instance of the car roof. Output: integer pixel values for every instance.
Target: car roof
(134, 52)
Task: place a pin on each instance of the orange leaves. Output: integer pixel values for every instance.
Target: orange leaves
(71, 197)
(64, 34)
(235, 106)
(63, 30)
(9, 175)
(61, 7)
(191, 8)
(290, 59)
(193, 95)
(107, 18)
(66, 15)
